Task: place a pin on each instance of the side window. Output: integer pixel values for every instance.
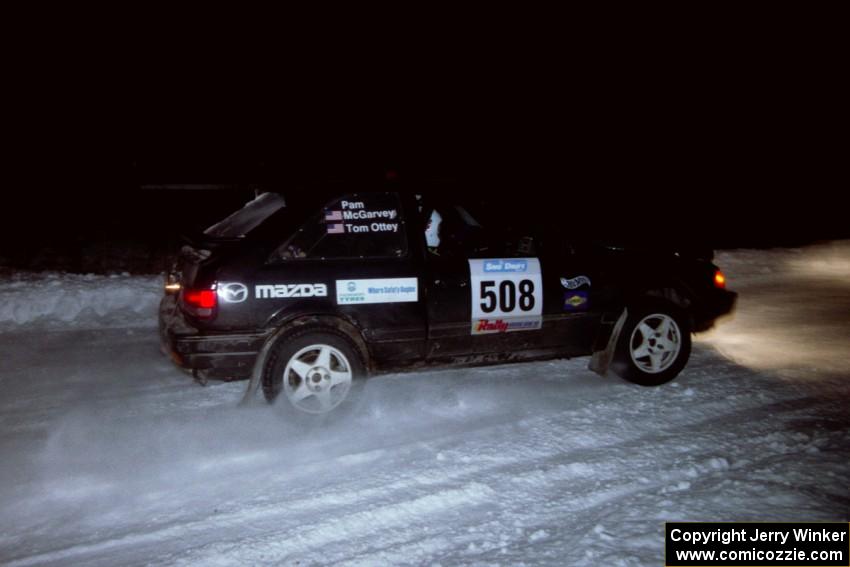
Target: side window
(442, 233)
(453, 231)
(359, 225)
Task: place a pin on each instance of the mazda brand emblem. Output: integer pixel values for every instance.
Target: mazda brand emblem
(233, 292)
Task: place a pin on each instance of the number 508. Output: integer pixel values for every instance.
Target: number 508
(507, 298)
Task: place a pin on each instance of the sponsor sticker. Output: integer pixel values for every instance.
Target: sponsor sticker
(576, 301)
(380, 290)
(233, 292)
(489, 326)
(285, 291)
(576, 282)
(505, 266)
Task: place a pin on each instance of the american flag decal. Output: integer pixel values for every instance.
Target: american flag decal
(333, 216)
(336, 228)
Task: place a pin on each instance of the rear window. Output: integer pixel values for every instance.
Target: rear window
(359, 225)
(248, 217)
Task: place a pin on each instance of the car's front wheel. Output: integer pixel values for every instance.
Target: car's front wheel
(317, 371)
(654, 344)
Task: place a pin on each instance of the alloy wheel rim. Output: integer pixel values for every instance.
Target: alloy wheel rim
(655, 343)
(317, 378)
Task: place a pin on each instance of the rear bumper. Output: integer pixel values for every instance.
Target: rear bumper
(219, 355)
(223, 356)
(710, 308)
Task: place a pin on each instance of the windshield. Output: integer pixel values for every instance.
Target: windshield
(248, 217)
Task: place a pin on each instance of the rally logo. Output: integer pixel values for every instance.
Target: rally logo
(285, 291)
(575, 282)
(487, 326)
(233, 292)
(505, 265)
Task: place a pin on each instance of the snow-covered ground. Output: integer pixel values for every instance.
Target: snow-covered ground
(111, 456)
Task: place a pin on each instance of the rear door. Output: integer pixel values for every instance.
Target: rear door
(354, 258)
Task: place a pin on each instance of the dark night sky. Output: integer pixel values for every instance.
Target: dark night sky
(728, 147)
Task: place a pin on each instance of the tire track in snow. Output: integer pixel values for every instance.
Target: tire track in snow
(274, 545)
(486, 465)
(442, 460)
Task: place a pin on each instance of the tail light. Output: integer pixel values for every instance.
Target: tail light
(719, 280)
(200, 302)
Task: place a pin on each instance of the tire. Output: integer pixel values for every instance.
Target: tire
(654, 344)
(318, 371)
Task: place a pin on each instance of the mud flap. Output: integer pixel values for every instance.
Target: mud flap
(250, 394)
(601, 359)
(199, 377)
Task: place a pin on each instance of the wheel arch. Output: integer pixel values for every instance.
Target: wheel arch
(672, 290)
(323, 314)
(336, 322)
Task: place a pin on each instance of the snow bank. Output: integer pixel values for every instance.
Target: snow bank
(51, 300)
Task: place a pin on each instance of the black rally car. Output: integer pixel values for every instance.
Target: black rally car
(309, 294)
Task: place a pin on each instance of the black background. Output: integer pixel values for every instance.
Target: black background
(730, 135)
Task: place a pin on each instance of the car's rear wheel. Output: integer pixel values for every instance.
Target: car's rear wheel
(654, 344)
(318, 372)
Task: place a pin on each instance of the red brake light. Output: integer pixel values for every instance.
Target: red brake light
(719, 280)
(200, 302)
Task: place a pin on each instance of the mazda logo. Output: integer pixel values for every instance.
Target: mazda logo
(233, 292)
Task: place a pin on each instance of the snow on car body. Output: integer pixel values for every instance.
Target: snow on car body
(313, 295)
